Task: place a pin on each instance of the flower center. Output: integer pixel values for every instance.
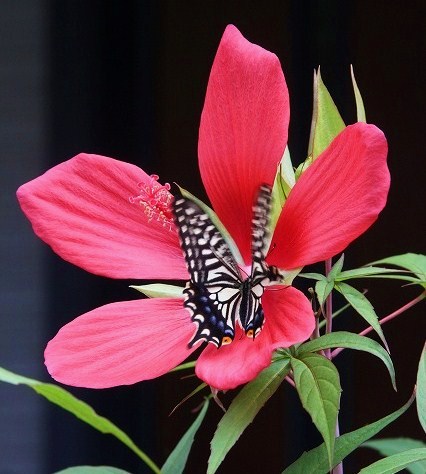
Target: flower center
(155, 200)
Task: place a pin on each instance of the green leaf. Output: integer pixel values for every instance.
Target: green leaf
(315, 461)
(390, 446)
(217, 222)
(360, 111)
(92, 470)
(186, 365)
(78, 408)
(363, 307)
(421, 389)
(322, 289)
(176, 462)
(313, 276)
(336, 268)
(284, 181)
(415, 263)
(395, 463)
(318, 385)
(326, 120)
(365, 272)
(160, 290)
(351, 341)
(243, 409)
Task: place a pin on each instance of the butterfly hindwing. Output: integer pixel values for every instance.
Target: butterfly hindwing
(213, 292)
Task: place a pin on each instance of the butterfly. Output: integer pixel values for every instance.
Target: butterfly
(217, 296)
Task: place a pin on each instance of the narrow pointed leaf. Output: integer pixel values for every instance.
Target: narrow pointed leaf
(363, 307)
(413, 262)
(78, 408)
(390, 446)
(243, 409)
(336, 269)
(351, 341)
(313, 276)
(322, 289)
(365, 272)
(92, 470)
(421, 389)
(360, 110)
(396, 462)
(326, 121)
(315, 461)
(318, 385)
(176, 462)
(160, 290)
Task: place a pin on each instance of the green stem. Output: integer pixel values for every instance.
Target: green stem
(328, 308)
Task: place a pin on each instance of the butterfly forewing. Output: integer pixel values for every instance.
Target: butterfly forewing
(216, 295)
(213, 291)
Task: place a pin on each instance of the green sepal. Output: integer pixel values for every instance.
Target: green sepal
(326, 123)
(316, 461)
(349, 340)
(78, 408)
(396, 462)
(244, 408)
(284, 181)
(421, 389)
(363, 307)
(217, 222)
(176, 462)
(390, 446)
(318, 385)
(160, 290)
(360, 110)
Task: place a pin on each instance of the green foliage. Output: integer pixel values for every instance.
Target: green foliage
(316, 460)
(318, 385)
(326, 120)
(160, 290)
(244, 408)
(421, 389)
(92, 470)
(350, 341)
(396, 462)
(284, 181)
(176, 462)
(360, 111)
(413, 262)
(363, 307)
(390, 446)
(78, 408)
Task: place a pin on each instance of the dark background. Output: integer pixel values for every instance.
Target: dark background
(127, 79)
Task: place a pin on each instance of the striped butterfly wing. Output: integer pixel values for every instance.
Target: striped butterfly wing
(213, 293)
(251, 312)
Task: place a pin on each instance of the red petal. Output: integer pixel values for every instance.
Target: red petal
(335, 200)
(121, 344)
(288, 316)
(243, 130)
(81, 208)
(237, 363)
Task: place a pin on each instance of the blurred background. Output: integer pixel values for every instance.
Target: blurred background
(127, 79)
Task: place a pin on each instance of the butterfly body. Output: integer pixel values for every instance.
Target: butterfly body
(217, 296)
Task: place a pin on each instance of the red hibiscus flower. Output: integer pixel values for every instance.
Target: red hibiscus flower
(81, 208)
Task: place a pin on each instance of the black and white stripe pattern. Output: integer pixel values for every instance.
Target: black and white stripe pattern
(216, 295)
